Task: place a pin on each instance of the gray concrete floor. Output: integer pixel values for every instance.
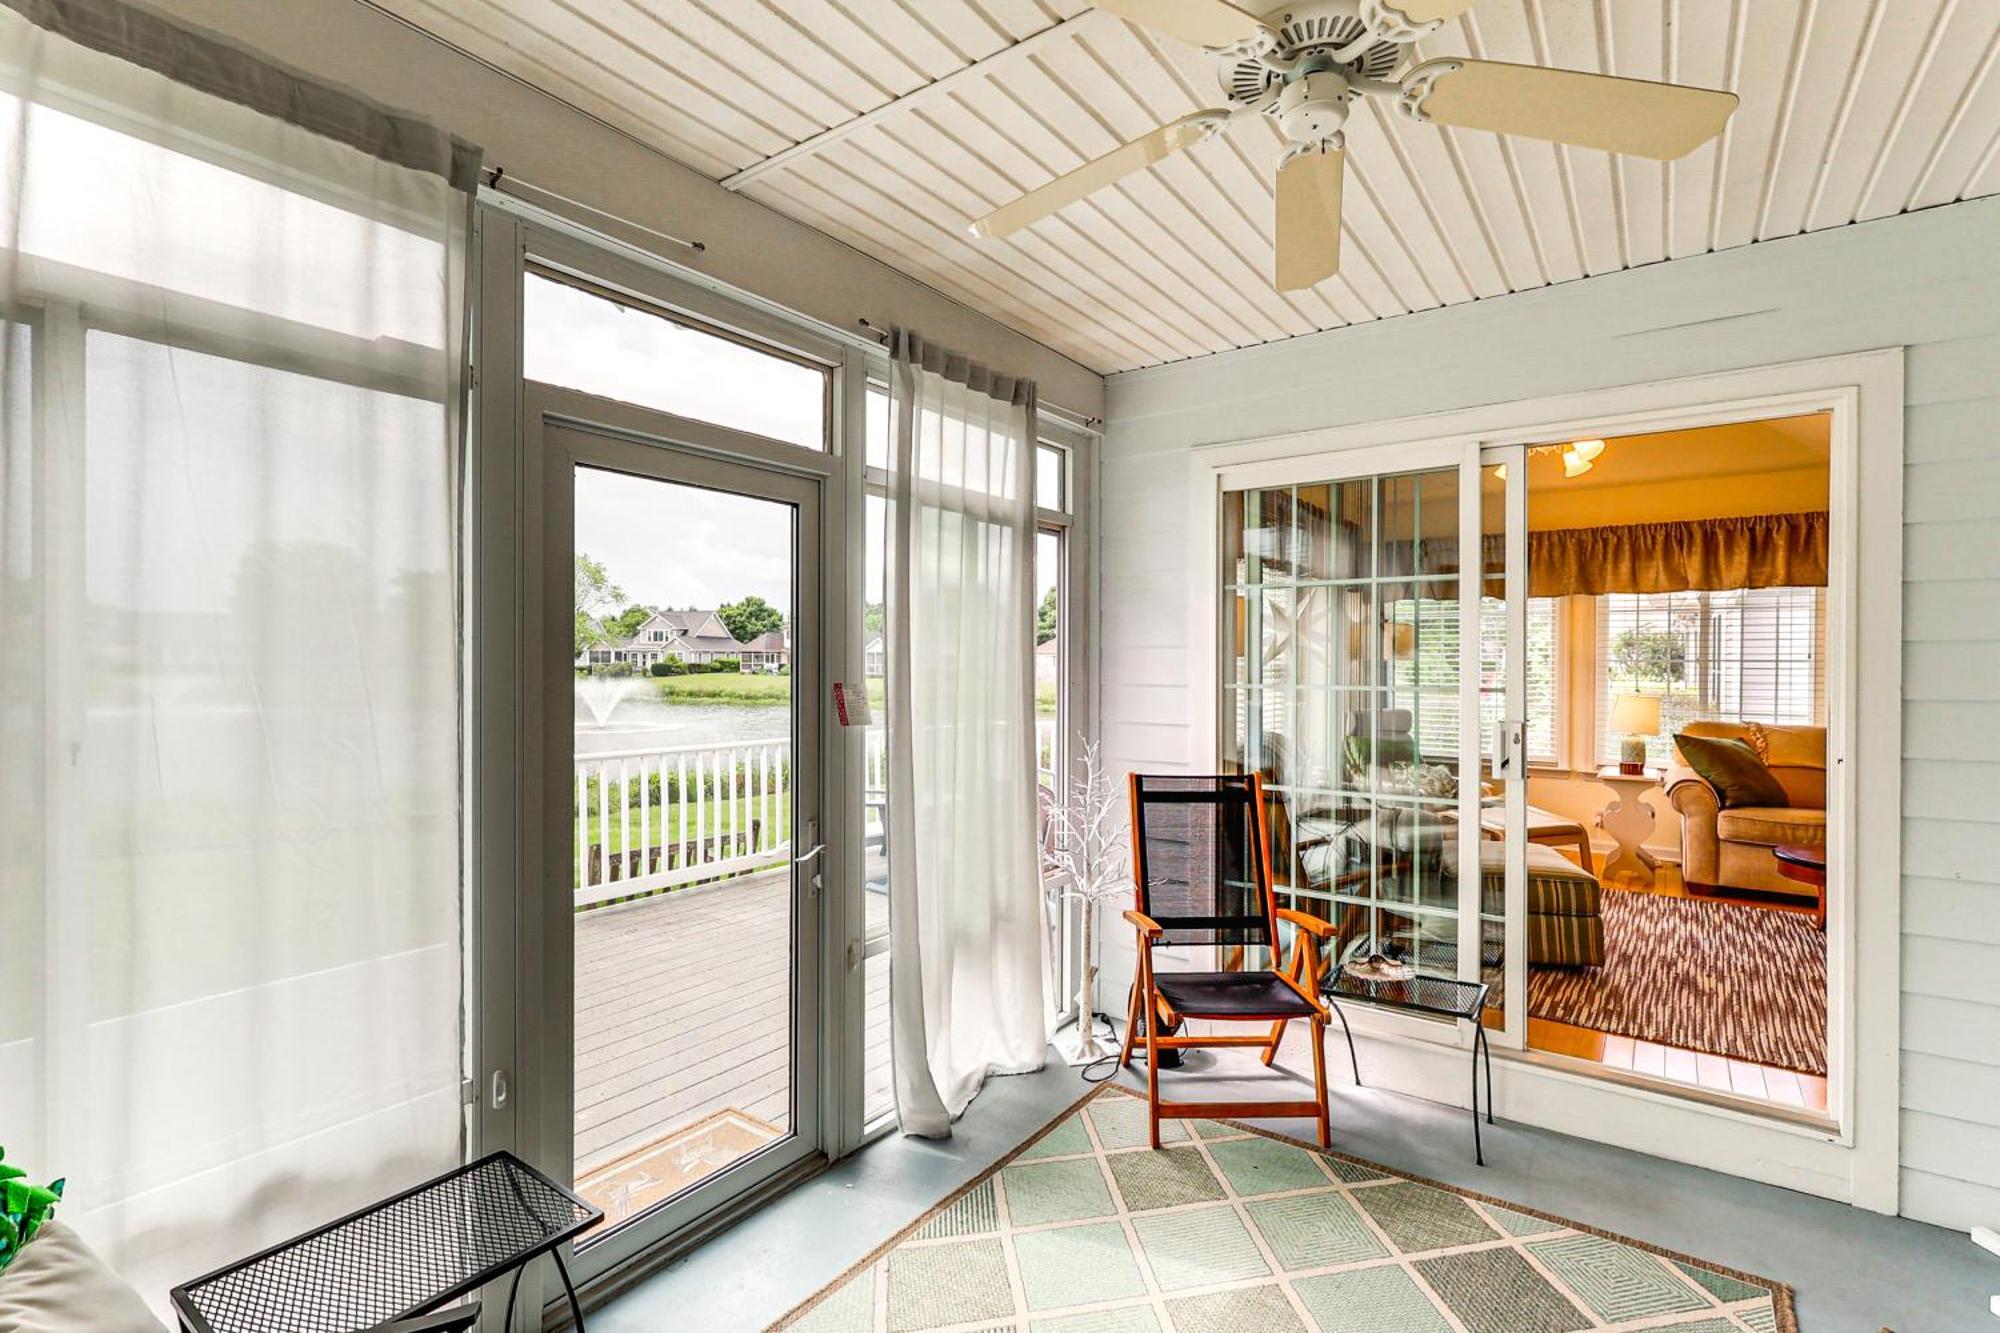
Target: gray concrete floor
(1854, 1272)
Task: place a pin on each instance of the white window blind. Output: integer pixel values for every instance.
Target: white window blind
(1751, 654)
(1426, 679)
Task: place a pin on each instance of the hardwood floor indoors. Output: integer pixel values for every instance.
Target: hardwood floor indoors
(1782, 1087)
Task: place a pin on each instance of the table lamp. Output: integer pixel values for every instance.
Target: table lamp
(1637, 716)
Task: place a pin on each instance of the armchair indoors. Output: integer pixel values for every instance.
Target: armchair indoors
(1731, 847)
(1202, 878)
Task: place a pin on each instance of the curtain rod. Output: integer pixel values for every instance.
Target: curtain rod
(495, 176)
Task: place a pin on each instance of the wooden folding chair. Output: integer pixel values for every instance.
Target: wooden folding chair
(1203, 878)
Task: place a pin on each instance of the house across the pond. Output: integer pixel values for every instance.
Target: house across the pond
(697, 638)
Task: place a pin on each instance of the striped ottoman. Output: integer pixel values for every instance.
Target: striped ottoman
(1565, 920)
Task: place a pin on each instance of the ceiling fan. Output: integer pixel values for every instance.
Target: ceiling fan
(1303, 64)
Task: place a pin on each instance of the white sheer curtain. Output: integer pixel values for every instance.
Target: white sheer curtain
(965, 989)
(229, 831)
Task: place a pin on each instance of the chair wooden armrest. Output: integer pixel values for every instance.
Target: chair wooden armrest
(1312, 925)
(1146, 925)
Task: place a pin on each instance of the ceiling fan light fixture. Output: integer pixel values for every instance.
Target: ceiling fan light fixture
(1574, 465)
(1587, 450)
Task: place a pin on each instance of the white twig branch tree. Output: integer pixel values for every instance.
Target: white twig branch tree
(1089, 863)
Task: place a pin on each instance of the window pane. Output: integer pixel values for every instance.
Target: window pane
(1049, 640)
(875, 673)
(1745, 654)
(266, 787)
(1050, 492)
(877, 427)
(878, 1094)
(1342, 671)
(682, 819)
(584, 341)
(122, 206)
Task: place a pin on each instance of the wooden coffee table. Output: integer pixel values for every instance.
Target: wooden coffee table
(1807, 865)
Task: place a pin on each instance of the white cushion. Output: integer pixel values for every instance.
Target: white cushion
(56, 1285)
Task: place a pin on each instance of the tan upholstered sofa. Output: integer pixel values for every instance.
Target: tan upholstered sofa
(1732, 848)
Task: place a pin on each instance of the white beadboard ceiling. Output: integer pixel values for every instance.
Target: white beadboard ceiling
(890, 123)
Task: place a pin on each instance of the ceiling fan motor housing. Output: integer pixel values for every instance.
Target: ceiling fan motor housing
(1313, 107)
(1313, 29)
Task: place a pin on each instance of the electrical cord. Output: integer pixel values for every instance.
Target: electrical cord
(1109, 1063)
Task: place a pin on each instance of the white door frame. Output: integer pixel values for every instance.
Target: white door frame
(1852, 1154)
(505, 727)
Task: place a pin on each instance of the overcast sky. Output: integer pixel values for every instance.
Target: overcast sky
(672, 545)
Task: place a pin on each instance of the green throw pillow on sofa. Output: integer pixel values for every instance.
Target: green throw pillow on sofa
(1733, 769)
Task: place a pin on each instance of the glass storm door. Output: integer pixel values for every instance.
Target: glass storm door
(681, 903)
(1354, 676)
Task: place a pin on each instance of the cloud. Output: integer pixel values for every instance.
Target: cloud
(667, 544)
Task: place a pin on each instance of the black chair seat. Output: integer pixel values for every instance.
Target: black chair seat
(1231, 995)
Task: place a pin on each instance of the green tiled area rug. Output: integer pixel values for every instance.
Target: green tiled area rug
(1231, 1230)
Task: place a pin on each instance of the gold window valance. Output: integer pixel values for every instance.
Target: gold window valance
(1759, 551)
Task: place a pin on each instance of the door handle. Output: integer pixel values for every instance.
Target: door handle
(811, 855)
(498, 1091)
(1510, 743)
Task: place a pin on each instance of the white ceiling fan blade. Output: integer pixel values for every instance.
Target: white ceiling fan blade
(1201, 22)
(1096, 174)
(1309, 217)
(1637, 116)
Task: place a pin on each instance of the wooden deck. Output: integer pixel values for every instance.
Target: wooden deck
(683, 1012)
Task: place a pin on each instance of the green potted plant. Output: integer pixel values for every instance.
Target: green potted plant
(23, 1208)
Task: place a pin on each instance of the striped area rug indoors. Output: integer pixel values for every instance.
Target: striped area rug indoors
(1724, 978)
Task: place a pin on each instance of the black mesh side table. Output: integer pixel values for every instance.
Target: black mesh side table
(1444, 997)
(406, 1256)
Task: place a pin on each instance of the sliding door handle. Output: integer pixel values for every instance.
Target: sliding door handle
(1510, 747)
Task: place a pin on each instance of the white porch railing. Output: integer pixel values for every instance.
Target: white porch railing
(660, 818)
(677, 815)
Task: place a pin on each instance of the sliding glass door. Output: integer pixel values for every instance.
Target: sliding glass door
(1355, 673)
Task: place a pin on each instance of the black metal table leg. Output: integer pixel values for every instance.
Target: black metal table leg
(576, 1307)
(514, 1289)
(1478, 1043)
(1352, 1059)
(1486, 1049)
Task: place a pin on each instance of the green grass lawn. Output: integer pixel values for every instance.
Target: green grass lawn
(680, 821)
(726, 688)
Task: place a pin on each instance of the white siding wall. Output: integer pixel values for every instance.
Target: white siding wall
(1930, 281)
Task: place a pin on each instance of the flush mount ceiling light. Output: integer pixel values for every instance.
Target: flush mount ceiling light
(1303, 64)
(1578, 457)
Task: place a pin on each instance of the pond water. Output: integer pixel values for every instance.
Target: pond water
(632, 721)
